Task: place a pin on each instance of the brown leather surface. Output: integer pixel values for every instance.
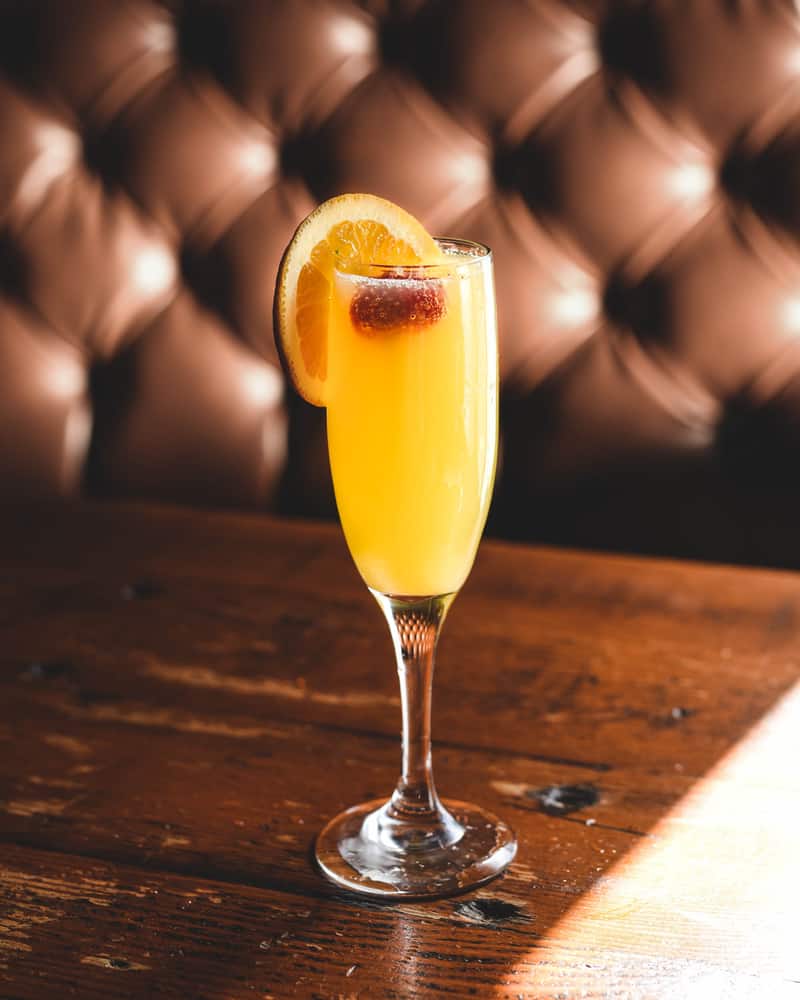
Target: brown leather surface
(633, 165)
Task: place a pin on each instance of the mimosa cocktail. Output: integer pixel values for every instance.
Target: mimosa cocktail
(396, 335)
(412, 418)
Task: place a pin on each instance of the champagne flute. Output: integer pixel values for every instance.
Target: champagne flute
(412, 438)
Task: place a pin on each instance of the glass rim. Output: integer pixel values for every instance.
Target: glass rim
(464, 253)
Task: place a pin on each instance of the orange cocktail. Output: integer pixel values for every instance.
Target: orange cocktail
(412, 418)
(395, 334)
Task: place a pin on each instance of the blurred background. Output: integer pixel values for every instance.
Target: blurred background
(634, 164)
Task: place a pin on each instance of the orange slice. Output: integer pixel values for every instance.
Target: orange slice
(352, 230)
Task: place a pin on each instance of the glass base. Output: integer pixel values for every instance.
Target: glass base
(369, 850)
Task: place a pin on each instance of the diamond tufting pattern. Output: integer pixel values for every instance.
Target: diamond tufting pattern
(634, 165)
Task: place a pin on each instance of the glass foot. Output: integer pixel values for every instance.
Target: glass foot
(370, 850)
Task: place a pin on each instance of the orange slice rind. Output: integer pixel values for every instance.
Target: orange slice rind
(350, 232)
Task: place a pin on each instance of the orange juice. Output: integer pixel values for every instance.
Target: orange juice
(412, 419)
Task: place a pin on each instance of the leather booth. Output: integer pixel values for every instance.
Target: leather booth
(634, 164)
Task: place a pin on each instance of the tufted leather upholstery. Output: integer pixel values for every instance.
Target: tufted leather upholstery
(633, 163)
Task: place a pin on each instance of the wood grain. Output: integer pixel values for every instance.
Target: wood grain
(184, 698)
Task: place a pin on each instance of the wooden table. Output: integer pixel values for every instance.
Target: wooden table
(186, 697)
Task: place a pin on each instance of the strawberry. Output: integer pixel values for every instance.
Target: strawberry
(385, 304)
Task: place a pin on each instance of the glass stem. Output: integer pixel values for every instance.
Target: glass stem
(415, 624)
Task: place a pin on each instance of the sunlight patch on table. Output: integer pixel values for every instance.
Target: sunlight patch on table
(712, 898)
